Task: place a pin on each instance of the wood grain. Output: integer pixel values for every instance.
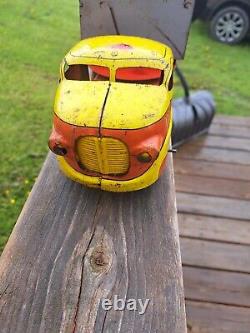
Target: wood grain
(215, 155)
(230, 143)
(213, 206)
(73, 246)
(214, 228)
(211, 169)
(212, 176)
(214, 255)
(215, 318)
(226, 188)
(215, 286)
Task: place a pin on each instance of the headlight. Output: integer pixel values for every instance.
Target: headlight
(59, 150)
(144, 157)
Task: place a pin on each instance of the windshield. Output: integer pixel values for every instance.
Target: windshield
(86, 73)
(136, 75)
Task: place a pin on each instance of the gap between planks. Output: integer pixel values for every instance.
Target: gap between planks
(226, 188)
(217, 229)
(211, 318)
(216, 170)
(213, 206)
(215, 255)
(215, 286)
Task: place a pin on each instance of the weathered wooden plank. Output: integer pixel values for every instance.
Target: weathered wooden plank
(232, 121)
(222, 256)
(226, 188)
(72, 246)
(217, 229)
(213, 206)
(230, 143)
(215, 318)
(215, 155)
(229, 131)
(210, 169)
(217, 286)
(157, 20)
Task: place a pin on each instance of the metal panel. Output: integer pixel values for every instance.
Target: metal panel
(167, 21)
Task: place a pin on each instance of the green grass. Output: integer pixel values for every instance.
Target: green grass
(220, 68)
(34, 36)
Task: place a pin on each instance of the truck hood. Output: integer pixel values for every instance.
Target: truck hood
(110, 105)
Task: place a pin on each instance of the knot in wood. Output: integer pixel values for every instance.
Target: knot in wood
(187, 4)
(100, 260)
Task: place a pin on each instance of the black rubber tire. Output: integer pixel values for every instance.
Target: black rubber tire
(239, 20)
(192, 120)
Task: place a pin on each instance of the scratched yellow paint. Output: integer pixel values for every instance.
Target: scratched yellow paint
(116, 105)
(132, 106)
(80, 103)
(128, 106)
(99, 47)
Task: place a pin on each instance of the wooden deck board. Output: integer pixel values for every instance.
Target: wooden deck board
(206, 285)
(218, 142)
(213, 198)
(210, 254)
(217, 229)
(226, 188)
(215, 155)
(217, 318)
(210, 169)
(232, 131)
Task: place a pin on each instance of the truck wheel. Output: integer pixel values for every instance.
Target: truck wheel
(230, 25)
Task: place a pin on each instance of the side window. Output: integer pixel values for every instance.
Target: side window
(86, 73)
(171, 82)
(140, 75)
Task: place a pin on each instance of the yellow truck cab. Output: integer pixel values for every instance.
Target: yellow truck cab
(112, 113)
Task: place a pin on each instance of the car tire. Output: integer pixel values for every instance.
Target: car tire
(229, 25)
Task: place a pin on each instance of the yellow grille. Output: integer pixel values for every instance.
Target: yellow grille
(107, 156)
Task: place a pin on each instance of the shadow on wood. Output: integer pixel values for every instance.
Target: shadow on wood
(73, 246)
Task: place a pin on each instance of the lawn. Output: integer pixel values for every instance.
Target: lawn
(34, 36)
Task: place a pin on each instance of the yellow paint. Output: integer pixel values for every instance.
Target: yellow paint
(80, 103)
(114, 105)
(100, 51)
(107, 156)
(147, 179)
(128, 106)
(103, 47)
(131, 106)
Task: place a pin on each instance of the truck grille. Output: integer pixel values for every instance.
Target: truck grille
(105, 155)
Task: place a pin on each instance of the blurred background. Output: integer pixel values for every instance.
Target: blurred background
(34, 37)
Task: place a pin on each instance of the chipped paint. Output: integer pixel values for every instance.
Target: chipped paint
(137, 114)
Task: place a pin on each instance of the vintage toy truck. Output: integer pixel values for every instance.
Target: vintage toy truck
(112, 114)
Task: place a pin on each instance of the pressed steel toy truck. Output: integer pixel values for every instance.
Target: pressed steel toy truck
(112, 113)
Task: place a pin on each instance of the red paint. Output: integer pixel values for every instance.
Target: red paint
(148, 139)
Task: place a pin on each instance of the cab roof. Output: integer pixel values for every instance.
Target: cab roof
(119, 48)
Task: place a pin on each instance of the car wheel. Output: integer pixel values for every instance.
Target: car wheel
(230, 25)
